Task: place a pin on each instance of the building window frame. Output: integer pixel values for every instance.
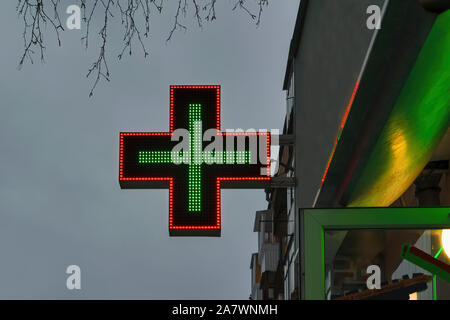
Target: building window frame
(315, 222)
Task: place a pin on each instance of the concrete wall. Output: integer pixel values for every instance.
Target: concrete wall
(332, 49)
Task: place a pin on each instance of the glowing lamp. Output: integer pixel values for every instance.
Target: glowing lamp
(446, 241)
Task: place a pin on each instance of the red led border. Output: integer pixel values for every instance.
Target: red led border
(341, 128)
(170, 179)
(196, 87)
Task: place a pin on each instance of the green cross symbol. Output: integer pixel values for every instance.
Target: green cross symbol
(195, 158)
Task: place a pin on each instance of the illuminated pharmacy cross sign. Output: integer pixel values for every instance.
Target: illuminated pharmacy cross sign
(197, 164)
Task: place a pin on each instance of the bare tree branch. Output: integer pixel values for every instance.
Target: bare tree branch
(35, 17)
(101, 61)
(177, 25)
(135, 16)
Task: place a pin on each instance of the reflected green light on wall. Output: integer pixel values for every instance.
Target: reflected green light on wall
(415, 127)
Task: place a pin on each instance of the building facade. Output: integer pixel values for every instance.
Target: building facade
(367, 125)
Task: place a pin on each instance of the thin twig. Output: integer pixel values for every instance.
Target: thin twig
(135, 17)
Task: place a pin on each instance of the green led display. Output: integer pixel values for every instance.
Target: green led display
(227, 157)
(195, 169)
(155, 157)
(196, 158)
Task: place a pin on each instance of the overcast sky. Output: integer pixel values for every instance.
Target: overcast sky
(60, 200)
